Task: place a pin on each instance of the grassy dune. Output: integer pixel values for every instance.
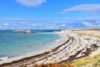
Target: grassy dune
(92, 33)
(88, 62)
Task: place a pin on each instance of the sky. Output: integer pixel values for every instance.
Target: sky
(49, 14)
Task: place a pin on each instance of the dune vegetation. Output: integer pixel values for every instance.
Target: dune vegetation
(92, 33)
(88, 61)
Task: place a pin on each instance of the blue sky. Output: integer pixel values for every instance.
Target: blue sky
(49, 14)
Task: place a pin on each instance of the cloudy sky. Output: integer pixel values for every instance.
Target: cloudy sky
(49, 14)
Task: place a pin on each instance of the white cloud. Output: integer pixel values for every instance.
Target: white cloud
(90, 24)
(31, 3)
(4, 25)
(63, 25)
(84, 8)
(51, 24)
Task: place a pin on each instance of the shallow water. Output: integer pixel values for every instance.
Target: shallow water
(17, 43)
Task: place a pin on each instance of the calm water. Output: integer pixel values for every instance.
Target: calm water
(16, 43)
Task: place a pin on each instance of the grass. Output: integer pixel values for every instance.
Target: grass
(88, 61)
(89, 33)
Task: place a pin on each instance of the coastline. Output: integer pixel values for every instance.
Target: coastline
(69, 47)
(56, 43)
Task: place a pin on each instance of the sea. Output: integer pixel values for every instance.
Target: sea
(13, 44)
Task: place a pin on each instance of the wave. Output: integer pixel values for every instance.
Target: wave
(3, 58)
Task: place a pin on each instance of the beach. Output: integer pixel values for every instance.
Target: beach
(68, 48)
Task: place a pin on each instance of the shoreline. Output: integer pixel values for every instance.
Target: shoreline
(68, 48)
(56, 43)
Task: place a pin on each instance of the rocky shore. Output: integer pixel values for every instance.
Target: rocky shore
(71, 47)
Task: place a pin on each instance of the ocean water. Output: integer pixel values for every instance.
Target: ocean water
(17, 43)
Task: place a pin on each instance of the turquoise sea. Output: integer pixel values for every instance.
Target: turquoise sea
(18, 43)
